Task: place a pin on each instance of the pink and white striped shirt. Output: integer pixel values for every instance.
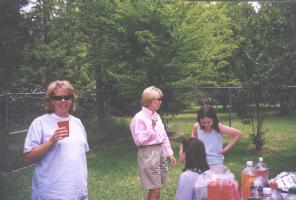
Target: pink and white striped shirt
(144, 134)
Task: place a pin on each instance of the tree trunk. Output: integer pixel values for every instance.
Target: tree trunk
(100, 108)
(9, 46)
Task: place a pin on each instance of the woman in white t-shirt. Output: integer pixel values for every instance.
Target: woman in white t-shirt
(58, 152)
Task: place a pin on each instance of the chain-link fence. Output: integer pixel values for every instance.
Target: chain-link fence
(18, 110)
(238, 100)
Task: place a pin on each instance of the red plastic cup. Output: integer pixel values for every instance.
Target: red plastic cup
(64, 124)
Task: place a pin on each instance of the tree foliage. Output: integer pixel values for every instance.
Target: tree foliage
(12, 38)
(259, 61)
(118, 48)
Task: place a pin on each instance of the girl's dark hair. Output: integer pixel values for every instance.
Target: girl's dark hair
(208, 111)
(195, 155)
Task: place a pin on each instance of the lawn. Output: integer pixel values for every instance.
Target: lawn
(112, 164)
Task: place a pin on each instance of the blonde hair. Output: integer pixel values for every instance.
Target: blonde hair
(149, 94)
(51, 89)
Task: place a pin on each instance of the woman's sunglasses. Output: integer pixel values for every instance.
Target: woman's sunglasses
(59, 98)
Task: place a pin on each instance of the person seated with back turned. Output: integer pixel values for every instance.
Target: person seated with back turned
(192, 184)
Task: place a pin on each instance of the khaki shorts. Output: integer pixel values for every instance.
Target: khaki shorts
(152, 166)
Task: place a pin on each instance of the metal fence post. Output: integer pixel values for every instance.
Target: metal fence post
(229, 108)
(6, 131)
(108, 114)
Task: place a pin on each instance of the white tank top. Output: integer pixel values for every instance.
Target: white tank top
(213, 142)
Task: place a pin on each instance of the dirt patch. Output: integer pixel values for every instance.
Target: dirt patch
(278, 138)
(268, 149)
(175, 135)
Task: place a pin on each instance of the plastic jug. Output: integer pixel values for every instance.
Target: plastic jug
(256, 192)
(214, 192)
(261, 182)
(229, 190)
(248, 176)
(262, 168)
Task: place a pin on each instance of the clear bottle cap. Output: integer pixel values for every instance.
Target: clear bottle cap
(266, 190)
(250, 163)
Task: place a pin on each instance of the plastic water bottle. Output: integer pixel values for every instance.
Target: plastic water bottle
(248, 176)
(267, 193)
(262, 168)
(256, 192)
(275, 193)
(261, 182)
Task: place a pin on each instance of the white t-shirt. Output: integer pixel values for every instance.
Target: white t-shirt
(193, 186)
(62, 171)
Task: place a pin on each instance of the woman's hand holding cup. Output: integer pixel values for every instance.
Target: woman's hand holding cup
(59, 134)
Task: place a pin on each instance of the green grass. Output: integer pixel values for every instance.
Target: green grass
(112, 164)
(278, 151)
